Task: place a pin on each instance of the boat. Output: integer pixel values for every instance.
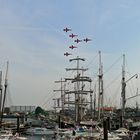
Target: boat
(84, 133)
(8, 135)
(18, 137)
(39, 131)
(122, 132)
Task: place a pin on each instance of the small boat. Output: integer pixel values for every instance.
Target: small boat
(8, 135)
(122, 132)
(39, 131)
(18, 137)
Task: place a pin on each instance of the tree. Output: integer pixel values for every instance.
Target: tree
(38, 111)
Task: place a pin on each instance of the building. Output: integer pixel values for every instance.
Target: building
(22, 109)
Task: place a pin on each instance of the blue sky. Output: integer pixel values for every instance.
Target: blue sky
(33, 41)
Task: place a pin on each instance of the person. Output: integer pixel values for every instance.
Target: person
(73, 132)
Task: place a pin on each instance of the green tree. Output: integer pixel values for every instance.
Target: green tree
(38, 111)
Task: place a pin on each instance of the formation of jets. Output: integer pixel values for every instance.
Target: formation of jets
(77, 40)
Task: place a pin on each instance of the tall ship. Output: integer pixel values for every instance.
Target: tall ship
(76, 104)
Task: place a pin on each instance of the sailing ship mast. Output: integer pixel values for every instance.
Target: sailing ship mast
(0, 90)
(123, 93)
(4, 96)
(100, 98)
(91, 103)
(137, 106)
(79, 90)
(123, 89)
(94, 102)
(62, 99)
(62, 93)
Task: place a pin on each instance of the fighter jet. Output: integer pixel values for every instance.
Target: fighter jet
(72, 47)
(86, 39)
(67, 29)
(66, 54)
(72, 35)
(77, 40)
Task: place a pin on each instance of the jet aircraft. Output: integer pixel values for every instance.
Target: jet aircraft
(72, 47)
(87, 39)
(66, 54)
(67, 29)
(77, 40)
(72, 35)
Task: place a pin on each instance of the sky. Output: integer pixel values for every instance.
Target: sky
(33, 41)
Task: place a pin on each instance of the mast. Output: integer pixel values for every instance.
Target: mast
(91, 103)
(123, 89)
(79, 91)
(82, 88)
(100, 98)
(61, 112)
(123, 93)
(0, 90)
(77, 96)
(137, 106)
(102, 94)
(95, 102)
(55, 105)
(62, 93)
(5, 91)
